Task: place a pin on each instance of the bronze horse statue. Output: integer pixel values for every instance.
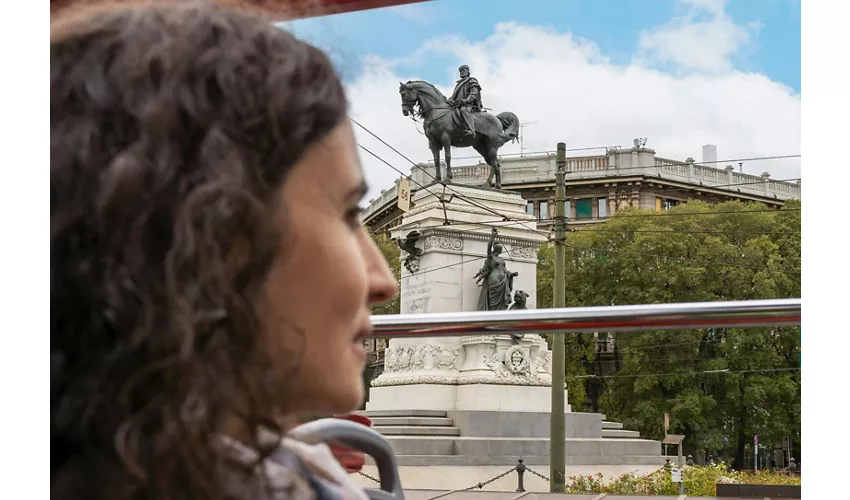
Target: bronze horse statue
(443, 129)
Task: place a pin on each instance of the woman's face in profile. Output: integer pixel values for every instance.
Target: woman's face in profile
(327, 276)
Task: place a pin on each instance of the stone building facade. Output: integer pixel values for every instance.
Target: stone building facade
(600, 185)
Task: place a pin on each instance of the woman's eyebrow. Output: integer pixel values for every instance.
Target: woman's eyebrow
(359, 191)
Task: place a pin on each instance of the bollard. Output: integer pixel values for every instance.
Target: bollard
(520, 470)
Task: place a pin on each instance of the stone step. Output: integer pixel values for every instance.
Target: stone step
(412, 421)
(598, 448)
(538, 462)
(410, 430)
(403, 413)
(611, 425)
(620, 434)
(427, 460)
(422, 445)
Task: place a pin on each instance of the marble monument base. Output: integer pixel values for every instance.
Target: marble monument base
(451, 228)
(489, 373)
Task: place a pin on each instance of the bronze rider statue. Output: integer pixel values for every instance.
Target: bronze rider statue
(466, 98)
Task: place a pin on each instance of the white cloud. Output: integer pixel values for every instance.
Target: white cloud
(414, 12)
(704, 39)
(574, 94)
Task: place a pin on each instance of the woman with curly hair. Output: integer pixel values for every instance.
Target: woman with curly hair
(210, 276)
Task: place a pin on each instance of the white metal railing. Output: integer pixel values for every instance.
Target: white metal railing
(633, 318)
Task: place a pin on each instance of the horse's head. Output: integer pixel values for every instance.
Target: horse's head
(408, 98)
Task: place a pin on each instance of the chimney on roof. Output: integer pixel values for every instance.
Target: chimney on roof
(709, 155)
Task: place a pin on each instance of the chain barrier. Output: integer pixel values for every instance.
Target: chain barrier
(367, 476)
(485, 483)
(541, 476)
(518, 468)
(475, 486)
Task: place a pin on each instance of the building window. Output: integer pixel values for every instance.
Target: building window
(664, 204)
(602, 207)
(544, 210)
(567, 207)
(529, 207)
(584, 208)
(668, 204)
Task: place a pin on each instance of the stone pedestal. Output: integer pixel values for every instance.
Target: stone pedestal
(484, 373)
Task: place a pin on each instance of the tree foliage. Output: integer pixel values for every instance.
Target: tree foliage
(738, 252)
(389, 249)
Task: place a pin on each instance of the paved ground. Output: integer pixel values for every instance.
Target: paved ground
(484, 495)
(455, 478)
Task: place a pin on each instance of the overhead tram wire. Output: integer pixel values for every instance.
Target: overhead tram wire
(622, 251)
(621, 215)
(644, 254)
(666, 257)
(522, 223)
(671, 231)
(677, 163)
(471, 202)
(686, 231)
(527, 153)
(600, 250)
(474, 259)
(502, 218)
(385, 162)
(691, 374)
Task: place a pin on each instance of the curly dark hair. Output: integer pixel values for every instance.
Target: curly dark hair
(172, 129)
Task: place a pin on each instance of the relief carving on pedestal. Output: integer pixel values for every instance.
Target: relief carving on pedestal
(523, 252)
(408, 358)
(444, 243)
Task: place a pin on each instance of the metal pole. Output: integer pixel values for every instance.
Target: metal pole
(681, 468)
(557, 422)
(636, 318)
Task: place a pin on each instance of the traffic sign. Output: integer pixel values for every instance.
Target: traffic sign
(404, 195)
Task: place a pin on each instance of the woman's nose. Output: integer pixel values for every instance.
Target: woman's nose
(383, 286)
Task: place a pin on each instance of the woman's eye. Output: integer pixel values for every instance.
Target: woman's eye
(354, 217)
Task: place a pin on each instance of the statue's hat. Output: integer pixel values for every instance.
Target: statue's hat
(463, 67)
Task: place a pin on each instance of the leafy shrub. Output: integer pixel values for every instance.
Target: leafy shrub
(699, 481)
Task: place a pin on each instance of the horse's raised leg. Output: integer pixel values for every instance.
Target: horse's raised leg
(495, 168)
(447, 154)
(435, 150)
(488, 159)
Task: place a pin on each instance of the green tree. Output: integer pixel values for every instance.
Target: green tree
(389, 249)
(738, 252)
(579, 349)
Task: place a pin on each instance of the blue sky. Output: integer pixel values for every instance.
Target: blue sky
(614, 25)
(591, 73)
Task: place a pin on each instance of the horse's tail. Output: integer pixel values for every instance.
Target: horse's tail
(510, 126)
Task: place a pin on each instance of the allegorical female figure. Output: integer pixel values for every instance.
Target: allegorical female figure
(495, 280)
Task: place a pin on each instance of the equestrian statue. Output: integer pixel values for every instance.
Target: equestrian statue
(461, 121)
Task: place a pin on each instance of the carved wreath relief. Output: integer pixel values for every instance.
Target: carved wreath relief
(444, 243)
(523, 252)
(515, 365)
